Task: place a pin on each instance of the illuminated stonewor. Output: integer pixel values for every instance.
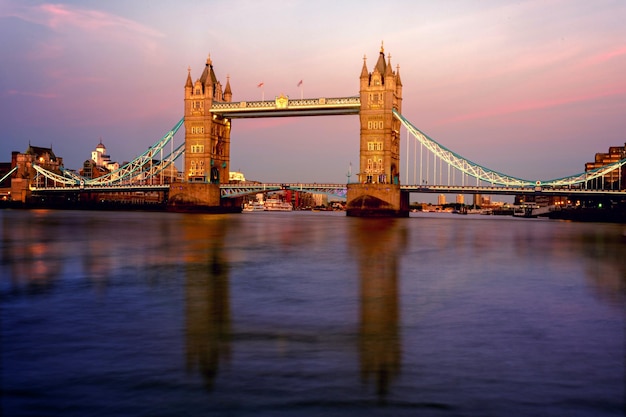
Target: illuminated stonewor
(378, 194)
(207, 146)
(209, 110)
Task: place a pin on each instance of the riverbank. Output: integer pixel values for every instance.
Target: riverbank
(580, 214)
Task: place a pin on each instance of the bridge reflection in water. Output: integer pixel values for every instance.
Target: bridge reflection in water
(207, 298)
(308, 314)
(375, 247)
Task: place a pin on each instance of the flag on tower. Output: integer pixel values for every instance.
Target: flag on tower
(260, 85)
(300, 83)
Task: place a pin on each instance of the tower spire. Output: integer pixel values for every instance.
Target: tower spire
(188, 83)
(364, 73)
(228, 94)
(388, 68)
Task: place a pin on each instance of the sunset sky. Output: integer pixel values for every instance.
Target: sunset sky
(532, 89)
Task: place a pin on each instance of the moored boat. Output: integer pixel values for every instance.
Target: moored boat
(274, 204)
(253, 206)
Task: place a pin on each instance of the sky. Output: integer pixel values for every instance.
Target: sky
(532, 89)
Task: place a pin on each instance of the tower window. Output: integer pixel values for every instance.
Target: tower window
(374, 146)
(197, 148)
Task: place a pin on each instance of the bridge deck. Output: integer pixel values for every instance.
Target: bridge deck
(282, 107)
(239, 189)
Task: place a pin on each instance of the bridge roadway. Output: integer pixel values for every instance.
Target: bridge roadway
(340, 190)
(236, 190)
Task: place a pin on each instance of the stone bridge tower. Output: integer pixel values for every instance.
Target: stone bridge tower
(207, 146)
(207, 136)
(378, 190)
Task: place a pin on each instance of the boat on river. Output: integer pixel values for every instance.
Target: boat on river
(274, 204)
(253, 206)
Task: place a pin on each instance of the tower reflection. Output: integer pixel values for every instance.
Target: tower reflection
(378, 244)
(208, 316)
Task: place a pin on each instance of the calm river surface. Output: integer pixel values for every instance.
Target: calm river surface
(309, 314)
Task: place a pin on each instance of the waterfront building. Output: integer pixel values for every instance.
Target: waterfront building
(441, 199)
(92, 170)
(613, 180)
(541, 200)
(235, 176)
(44, 157)
(321, 200)
(460, 199)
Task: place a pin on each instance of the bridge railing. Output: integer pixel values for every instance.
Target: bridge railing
(8, 174)
(238, 190)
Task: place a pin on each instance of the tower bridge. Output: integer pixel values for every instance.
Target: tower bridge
(209, 112)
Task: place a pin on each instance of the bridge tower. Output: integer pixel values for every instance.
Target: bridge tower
(207, 136)
(207, 144)
(377, 193)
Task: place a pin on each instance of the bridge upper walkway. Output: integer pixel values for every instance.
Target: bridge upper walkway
(282, 106)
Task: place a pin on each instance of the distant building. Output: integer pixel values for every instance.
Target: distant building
(613, 180)
(25, 175)
(478, 200)
(320, 200)
(460, 199)
(102, 159)
(236, 176)
(441, 199)
(540, 200)
(92, 170)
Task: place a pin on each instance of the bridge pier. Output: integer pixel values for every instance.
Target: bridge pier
(200, 197)
(377, 200)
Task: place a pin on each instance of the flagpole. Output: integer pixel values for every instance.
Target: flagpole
(261, 85)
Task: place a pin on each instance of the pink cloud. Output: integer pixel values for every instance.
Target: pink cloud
(30, 94)
(535, 105)
(58, 16)
(61, 18)
(603, 57)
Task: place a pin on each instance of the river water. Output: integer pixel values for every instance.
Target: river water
(309, 314)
